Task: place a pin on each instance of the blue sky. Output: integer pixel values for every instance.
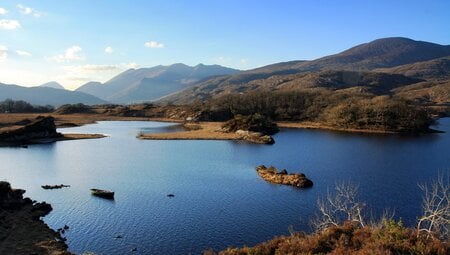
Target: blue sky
(73, 42)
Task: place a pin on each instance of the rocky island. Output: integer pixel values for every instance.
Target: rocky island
(271, 174)
(21, 229)
(40, 130)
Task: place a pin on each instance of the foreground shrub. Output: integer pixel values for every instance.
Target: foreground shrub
(389, 238)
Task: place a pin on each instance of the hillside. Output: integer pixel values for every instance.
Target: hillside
(403, 62)
(146, 84)
(46, 96)
(435, 69)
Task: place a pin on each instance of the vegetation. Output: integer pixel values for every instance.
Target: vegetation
(20, 106)
(73, 108)
(341, 228)
(337, 109)
(254, 123)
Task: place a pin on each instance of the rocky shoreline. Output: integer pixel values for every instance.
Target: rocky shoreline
(22, 232)
(272, 175)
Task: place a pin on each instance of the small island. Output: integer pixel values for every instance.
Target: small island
(251, 128)
(40, 130)
(272, 175)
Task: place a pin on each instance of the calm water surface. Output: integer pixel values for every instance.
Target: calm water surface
(219, 199)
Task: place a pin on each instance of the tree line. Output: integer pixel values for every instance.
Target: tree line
(20, 106)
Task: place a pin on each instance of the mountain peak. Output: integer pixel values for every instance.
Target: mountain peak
(52, 84)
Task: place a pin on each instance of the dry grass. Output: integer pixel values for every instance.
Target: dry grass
(322, 126)
(203, 131)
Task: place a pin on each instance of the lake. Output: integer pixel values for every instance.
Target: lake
(219, 200)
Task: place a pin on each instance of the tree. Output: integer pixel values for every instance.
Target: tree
(435, 221)
(339, 207)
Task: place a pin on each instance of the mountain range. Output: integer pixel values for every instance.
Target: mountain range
(415, 70)
(376, 67)
(44, 95)
(147, 84)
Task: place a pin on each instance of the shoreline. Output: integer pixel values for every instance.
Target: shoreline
(205, 131)
(208, 130)
(21, 230)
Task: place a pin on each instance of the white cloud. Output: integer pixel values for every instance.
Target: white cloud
(29, 11)
(3, 11)
(76, 75)
(130, 65)
(89, 69)
(153, 44)
(3, 52)
(109, 50)
(73, 53)
(23, 53)
(9, 24)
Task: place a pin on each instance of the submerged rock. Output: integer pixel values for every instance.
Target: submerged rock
(272, 175)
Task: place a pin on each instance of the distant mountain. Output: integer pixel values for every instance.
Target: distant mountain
(358, 61)
(52, 84)
(46, 96)
(145, 84)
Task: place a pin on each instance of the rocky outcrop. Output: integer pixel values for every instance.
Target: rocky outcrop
(255, 137)
(36, 130)
(21, 230)
(271, 174)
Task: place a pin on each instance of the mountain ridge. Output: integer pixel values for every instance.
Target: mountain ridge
(145, 84)
(367, 57)
(46, 95)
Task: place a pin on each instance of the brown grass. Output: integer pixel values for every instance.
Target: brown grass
(322, 126)
(202, 131)
(390, 238)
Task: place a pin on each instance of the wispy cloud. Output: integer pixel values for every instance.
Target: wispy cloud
(9, 24)
(3, 52)
(23, 53)
(73, 53)
(3, 11)
(76, 75)
(89, 69)
(29, 11)
(109, 50)
(154, 44)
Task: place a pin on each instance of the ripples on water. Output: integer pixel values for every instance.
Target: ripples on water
(219, 199)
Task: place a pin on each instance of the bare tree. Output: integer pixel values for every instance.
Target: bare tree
(339, 207)
(435, 221)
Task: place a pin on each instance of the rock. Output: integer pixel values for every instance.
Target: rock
(55, 186)
(66, 227)
(22, 230)
(272, 175)
(40, 128)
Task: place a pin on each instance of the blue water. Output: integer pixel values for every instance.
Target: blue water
(219, 199)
